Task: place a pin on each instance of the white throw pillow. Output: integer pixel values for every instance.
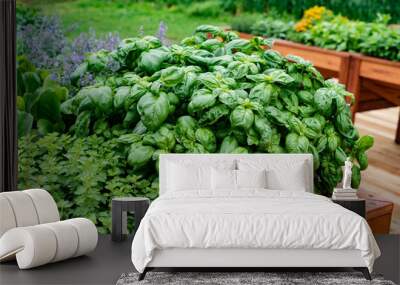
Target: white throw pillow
(251, 178)
(228, 179)
(181, 177)
(223, 179)
(291, 179)
(282, 174)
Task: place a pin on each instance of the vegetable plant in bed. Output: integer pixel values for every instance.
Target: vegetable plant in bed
(215, 92)
(321, 28)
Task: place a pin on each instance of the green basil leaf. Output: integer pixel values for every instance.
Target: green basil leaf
(206, 138)
(153, 110)
(228, 145)
(364, 143)
(25, 122)
(152, 60)
(140, 155)
(172, 76)
(362, 159)
(201, 101)
(242, 117)
(355, 177)
(214, 114)
(262, 93)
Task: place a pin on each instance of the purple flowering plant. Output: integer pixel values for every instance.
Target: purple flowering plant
(82, 45)
(44, 43)
(162, 32)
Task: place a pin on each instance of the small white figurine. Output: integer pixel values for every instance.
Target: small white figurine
(347, 174)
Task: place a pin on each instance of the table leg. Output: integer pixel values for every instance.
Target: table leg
(124, 224)
(116, 216)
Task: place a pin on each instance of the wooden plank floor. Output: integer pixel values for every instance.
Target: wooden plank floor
(382, 177)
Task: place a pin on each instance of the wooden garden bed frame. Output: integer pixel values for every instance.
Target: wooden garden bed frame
(374, 82)
(329, 63)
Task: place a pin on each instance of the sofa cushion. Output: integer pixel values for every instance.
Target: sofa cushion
(45, 206)
(26, 208)
(7, 220)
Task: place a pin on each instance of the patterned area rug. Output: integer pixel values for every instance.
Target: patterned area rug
(244, 278)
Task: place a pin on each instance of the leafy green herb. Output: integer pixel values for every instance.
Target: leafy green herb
(211, 93)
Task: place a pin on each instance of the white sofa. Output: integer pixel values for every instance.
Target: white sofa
(31, 231)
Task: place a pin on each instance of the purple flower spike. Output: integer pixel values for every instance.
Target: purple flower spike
(161, 33)
(45, 44)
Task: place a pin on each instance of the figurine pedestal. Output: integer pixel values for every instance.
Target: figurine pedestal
(344, 194)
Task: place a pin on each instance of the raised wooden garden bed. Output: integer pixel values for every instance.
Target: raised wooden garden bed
(374, 82)
(331, 64)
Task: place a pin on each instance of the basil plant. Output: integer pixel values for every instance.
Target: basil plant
(217, 93)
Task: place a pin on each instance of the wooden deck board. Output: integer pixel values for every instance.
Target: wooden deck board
(382, 178)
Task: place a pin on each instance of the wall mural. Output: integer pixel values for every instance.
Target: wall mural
(95, 110)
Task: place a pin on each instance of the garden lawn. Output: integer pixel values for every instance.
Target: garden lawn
(124, 17)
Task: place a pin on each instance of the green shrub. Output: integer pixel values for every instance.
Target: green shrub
(244, 22)
(375, 39)
(337, 33)
(177, 2)
(238, 6)
(38, 99)
(82, 174)
(365, 10)
(205, 9)
(272, 28)
(25, 15)
(354, 9)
